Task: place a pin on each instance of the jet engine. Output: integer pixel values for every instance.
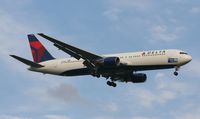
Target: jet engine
(108, 61)
(137, 78)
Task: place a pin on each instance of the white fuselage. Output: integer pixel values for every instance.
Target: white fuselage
(145, 60)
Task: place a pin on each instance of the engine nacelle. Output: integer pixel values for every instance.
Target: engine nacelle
(108, 61)
(138, 78)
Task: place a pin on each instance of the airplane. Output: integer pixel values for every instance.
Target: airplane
(122, 67)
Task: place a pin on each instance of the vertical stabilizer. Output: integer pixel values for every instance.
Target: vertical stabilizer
(39, 52)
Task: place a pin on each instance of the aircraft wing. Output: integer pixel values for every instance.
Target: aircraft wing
(71, 50)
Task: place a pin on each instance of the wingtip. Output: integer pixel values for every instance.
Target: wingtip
(40, 34)
(12, 55)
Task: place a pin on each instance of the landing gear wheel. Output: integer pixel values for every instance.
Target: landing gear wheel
(114, 84)
(98, 75)
(176, 73)
(111, 84)
(176, 69)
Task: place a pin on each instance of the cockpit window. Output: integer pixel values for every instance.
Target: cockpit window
(183, 53)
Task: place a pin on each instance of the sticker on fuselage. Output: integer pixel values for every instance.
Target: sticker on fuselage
(172, 60)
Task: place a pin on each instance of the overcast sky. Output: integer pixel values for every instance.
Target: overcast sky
(99, 26)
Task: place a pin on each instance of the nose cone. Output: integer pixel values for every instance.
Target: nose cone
(188, 58)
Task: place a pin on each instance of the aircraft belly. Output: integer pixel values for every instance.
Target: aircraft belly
(136, 68)
(76, 72)
(151, 67)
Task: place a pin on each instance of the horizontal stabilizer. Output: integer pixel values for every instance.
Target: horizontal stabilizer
(27, 62)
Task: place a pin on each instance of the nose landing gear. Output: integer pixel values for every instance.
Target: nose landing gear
(176, 73)
(176, 70)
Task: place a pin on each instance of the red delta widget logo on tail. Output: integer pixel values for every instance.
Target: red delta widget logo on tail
(39, 52)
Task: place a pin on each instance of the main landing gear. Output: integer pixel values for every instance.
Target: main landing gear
(111, 84)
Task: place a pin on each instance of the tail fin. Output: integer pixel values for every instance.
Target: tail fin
(39, 52)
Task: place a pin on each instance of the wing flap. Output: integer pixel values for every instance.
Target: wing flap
(27, 62)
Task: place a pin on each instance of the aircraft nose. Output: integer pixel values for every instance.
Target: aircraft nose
(188, 58)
